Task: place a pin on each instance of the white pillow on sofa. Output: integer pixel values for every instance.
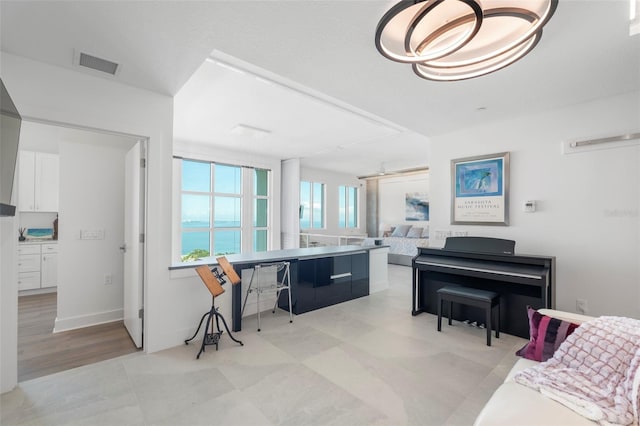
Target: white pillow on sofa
(401, 231)
(414, 232)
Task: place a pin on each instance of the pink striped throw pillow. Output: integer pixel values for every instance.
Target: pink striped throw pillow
(545, 335)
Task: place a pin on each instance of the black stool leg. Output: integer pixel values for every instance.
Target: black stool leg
(488, 315)
(450, 311)
(440, 302)
(498, 322)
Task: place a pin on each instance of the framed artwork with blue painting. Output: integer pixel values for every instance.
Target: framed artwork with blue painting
(480, 190)
(416, 206)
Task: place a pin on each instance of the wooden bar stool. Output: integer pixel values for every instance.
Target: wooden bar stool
(472, 297)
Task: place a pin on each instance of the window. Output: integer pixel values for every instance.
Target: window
(227, 209)
(311, 205)
(213, 206)
(348, 207)
(260, 209)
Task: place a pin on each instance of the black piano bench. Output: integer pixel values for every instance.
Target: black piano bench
(472, 297)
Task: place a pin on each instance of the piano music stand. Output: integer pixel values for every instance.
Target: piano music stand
(213, 280)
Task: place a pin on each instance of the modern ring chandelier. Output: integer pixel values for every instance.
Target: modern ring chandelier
(447, 40)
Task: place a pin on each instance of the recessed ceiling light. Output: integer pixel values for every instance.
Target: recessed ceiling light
(246, 130)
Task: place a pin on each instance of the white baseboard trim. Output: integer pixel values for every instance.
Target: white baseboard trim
(81, 321)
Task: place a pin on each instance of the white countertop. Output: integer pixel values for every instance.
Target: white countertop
(277, 255)
(39, 241)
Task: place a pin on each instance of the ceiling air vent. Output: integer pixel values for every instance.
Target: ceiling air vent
(97, 64)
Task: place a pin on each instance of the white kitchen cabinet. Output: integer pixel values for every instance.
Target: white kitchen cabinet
(29, 262)
(37, 266)
(27, 181)
(28, 280)
(49, 266)
(29, 259)
(38, 182)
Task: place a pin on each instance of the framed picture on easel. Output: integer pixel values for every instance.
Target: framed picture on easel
(480, 190)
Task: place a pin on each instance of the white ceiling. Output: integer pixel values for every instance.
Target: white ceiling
(350, 109)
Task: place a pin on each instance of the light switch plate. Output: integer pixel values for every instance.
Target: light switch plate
(92, 234)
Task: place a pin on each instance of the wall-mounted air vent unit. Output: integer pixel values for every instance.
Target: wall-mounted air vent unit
(98, 64)
(609, 142)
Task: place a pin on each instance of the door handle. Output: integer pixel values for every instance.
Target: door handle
(123, 247)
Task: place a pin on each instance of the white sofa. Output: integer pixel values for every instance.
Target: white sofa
(515, 404)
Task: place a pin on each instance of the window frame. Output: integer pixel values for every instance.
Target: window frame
(255, 197)
(344, 195)
(323, 204)
(247, 199)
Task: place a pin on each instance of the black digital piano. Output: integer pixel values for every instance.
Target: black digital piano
(489, 264)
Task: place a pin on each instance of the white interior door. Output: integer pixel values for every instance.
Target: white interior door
(133, 245)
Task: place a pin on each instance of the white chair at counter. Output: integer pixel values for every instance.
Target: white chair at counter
(269, 278)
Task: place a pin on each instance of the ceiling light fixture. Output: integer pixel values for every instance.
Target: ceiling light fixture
(460, 39)
(251, 131)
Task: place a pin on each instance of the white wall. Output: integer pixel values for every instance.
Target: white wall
(39, 137)
(36, 219)
(91, 198)
(588, 203)
(332, 181)
(46, 92)
(8, 301)
(392, 193)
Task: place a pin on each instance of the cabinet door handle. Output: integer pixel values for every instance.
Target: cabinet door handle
(346, 274)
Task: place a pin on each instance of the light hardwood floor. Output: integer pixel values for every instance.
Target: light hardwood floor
(41, 352)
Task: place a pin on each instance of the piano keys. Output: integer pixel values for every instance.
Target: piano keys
(488, 264)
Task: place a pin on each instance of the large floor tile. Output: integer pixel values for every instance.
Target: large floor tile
(364, 362)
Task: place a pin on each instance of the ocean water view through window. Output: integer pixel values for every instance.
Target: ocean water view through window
(215, 199)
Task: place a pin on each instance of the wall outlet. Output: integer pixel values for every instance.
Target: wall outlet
(581, 306)
(108, 279)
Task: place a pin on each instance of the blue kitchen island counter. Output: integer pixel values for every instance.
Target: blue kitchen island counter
(320, 276)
